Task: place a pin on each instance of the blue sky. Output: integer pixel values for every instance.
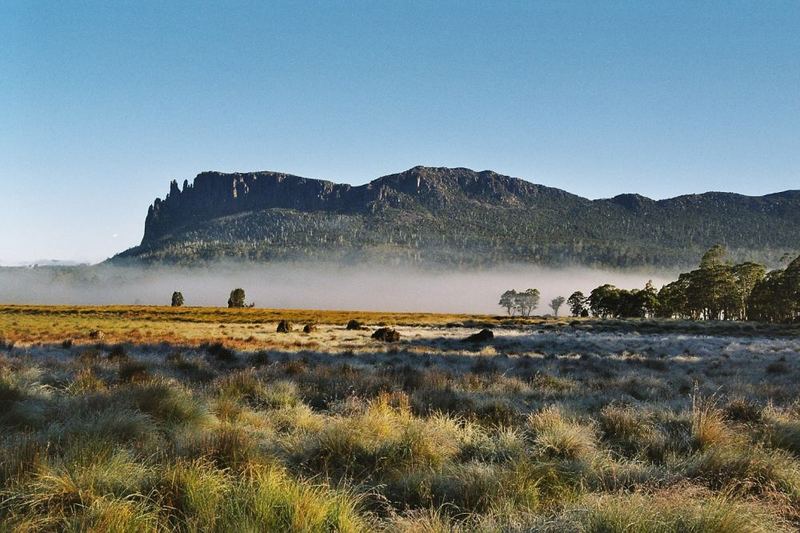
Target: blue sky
(102, 103)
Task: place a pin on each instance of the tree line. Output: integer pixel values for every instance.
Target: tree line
(717, 290)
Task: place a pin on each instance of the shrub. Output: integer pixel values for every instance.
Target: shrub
(236, 299)
(177, 299)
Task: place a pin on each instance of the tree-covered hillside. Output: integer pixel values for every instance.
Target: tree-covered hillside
(456, 217)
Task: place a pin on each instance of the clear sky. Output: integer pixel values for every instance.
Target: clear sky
(102, 103)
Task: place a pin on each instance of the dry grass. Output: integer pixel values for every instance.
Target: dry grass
(551, 427)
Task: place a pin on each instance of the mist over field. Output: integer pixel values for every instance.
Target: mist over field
(316, 286)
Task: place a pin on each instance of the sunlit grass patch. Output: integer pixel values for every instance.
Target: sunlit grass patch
(350, 435)
(556, 435)
(668, 512)
(266, 499)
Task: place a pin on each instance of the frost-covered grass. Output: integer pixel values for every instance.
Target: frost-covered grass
(596, 426)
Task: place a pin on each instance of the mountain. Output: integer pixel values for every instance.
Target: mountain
(453, 216)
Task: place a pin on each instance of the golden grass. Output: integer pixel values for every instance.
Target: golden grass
(334, 431)
(241, 328)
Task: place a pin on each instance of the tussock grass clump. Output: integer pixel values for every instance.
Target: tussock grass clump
(669, 512)
(748, 470)
(168, 402)
(266, 499)
(743, 410)
(498, 445)
(220, 352)
(86, 381)
(382, 437)
(193, 368)
(77, 486)
(708, 423)
(248, 387)
(22, 401)
(557, 436)
(226, 446)
(110, 424)
(631, 432)
(194, 491)
(783, 431)
(21, 454)
(466, 488)
(133, 372)
(552, 430)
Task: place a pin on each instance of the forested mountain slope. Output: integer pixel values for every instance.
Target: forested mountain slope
(454, 216)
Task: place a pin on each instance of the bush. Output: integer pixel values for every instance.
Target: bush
(177, 299)
(236, 299)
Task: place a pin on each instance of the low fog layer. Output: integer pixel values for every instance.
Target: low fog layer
(310, 286)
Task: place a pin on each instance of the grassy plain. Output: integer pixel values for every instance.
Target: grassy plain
(197, 419)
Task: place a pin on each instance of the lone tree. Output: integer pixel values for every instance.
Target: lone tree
(237, 298)
(528, 301)
(556, 303)
(577, 303)
(177, 299)
(508, 300)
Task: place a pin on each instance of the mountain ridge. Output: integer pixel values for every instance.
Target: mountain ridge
(441, 213)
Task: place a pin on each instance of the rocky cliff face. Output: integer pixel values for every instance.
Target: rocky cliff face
(454, 215)
(215, 194)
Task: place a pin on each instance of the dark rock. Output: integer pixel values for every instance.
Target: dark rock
(354, 324)
(308, 328)
(483, 335)
(386, 335)
(284, 326)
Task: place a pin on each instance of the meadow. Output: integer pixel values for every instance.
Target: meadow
(207, 419)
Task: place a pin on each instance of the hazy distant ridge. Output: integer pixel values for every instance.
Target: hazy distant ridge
(454, 216)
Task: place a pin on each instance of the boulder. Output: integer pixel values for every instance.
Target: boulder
(386, 335)
(483, 335)
(354, 324)
(284, 326)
